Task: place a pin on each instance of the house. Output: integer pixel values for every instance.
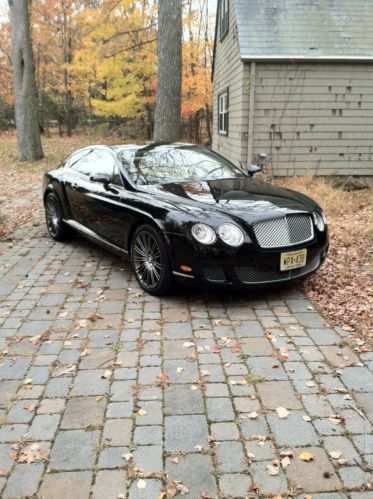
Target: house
(294, 79)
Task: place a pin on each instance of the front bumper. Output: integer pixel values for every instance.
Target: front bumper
(248, 266)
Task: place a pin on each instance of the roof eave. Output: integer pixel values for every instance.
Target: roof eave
(301, 58)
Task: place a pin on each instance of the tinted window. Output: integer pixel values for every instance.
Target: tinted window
(161, 164)
(96, 162)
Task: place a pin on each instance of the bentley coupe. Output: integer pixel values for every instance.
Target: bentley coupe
(184, 212)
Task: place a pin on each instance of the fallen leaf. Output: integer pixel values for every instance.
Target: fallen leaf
(175, 460)
(179, 370)
(273, 470)
(100, 397)
(310, 384)
(128, 456)
(163, 379)
(342, 462)
(306, 456)
(34, 452)
(107, 374)
(193, 388)
(335, 419)
(306, 418)
(188, 344)
(182, 489)
(285, 461)
(30, 407)
(235, 349)
(252, 415)
(198, 448)
(282, 413)
(141, 412)
(335, 454)
(27, 381)
(141, 484)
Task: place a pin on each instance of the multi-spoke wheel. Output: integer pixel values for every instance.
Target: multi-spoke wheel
(150, 261)
(57, 229)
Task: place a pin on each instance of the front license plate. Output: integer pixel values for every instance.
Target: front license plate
(293, 259)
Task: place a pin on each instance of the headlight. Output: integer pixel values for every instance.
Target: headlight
(320, 220)
(231, 234)
(204, 234)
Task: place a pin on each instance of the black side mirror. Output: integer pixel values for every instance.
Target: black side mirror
(102, 178)
(252, 169)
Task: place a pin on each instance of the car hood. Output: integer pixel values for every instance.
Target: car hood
(244, 198)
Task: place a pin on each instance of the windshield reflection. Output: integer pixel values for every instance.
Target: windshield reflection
(159, 164)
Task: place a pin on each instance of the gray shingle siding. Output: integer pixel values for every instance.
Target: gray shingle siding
(315, 118)
(228, 73)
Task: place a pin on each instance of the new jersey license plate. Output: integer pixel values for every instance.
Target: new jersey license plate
(293, 259)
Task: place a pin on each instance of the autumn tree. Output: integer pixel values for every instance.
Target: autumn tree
(167, 120)
(26, 115)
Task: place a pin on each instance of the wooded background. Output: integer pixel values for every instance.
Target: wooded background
(96, 66)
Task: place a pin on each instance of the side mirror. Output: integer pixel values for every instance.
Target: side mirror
(101, 178)
(252, 169)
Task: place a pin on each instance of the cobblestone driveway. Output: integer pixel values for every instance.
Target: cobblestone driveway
(80, 387)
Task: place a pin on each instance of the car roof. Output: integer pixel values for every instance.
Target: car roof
(152, 145)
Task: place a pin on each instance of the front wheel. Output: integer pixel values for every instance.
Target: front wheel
(150, 261)
(57, 228)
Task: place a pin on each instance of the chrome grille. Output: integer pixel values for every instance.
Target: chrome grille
(285, 231)
(254, 275)
(215, 274)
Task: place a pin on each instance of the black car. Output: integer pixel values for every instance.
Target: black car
(184, 212)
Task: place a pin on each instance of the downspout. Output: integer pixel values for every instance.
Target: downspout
(250, 136)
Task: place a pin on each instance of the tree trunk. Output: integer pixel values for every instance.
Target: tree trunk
(26, 113)
(167, 120)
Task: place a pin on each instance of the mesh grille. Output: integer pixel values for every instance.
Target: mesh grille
(214, 274)
(254, 275)
(285, 231)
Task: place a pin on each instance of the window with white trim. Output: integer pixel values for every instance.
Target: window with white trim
(223, 18)
(223, 113)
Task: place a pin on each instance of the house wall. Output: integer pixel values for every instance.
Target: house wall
(314, 117)
(228, 73)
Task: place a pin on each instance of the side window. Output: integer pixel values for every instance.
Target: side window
(93, 162)
(101, 163)
(79, 161)
(223, 113)
(223, 18)
(117, 179)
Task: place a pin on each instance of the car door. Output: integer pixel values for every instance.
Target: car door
(76, 183)
(105, 213)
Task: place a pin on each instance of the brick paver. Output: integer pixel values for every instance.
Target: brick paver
(85, 413)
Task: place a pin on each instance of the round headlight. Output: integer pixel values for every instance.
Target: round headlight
(320, 220)
(204, 234)
(231, 234)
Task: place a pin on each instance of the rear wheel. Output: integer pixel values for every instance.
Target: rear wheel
(150, 261)
(57, 228)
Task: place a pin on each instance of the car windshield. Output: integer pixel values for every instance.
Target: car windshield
(164, 164)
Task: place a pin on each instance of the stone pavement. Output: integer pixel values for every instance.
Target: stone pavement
(106, 392)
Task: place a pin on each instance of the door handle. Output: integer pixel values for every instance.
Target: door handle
(74, 186)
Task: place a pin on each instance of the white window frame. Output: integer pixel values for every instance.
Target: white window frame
(223, 113)
(223, 18)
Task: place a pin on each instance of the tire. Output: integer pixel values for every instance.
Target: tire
(150, 261)
(56, 227)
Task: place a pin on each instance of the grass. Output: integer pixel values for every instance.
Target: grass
(341, 290)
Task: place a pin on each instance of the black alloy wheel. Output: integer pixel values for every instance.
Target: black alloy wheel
(150, 261)
(57, 229)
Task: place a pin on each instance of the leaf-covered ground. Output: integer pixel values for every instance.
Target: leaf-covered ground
(342, 289)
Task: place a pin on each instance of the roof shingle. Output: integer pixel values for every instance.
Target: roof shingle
(309, 29)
